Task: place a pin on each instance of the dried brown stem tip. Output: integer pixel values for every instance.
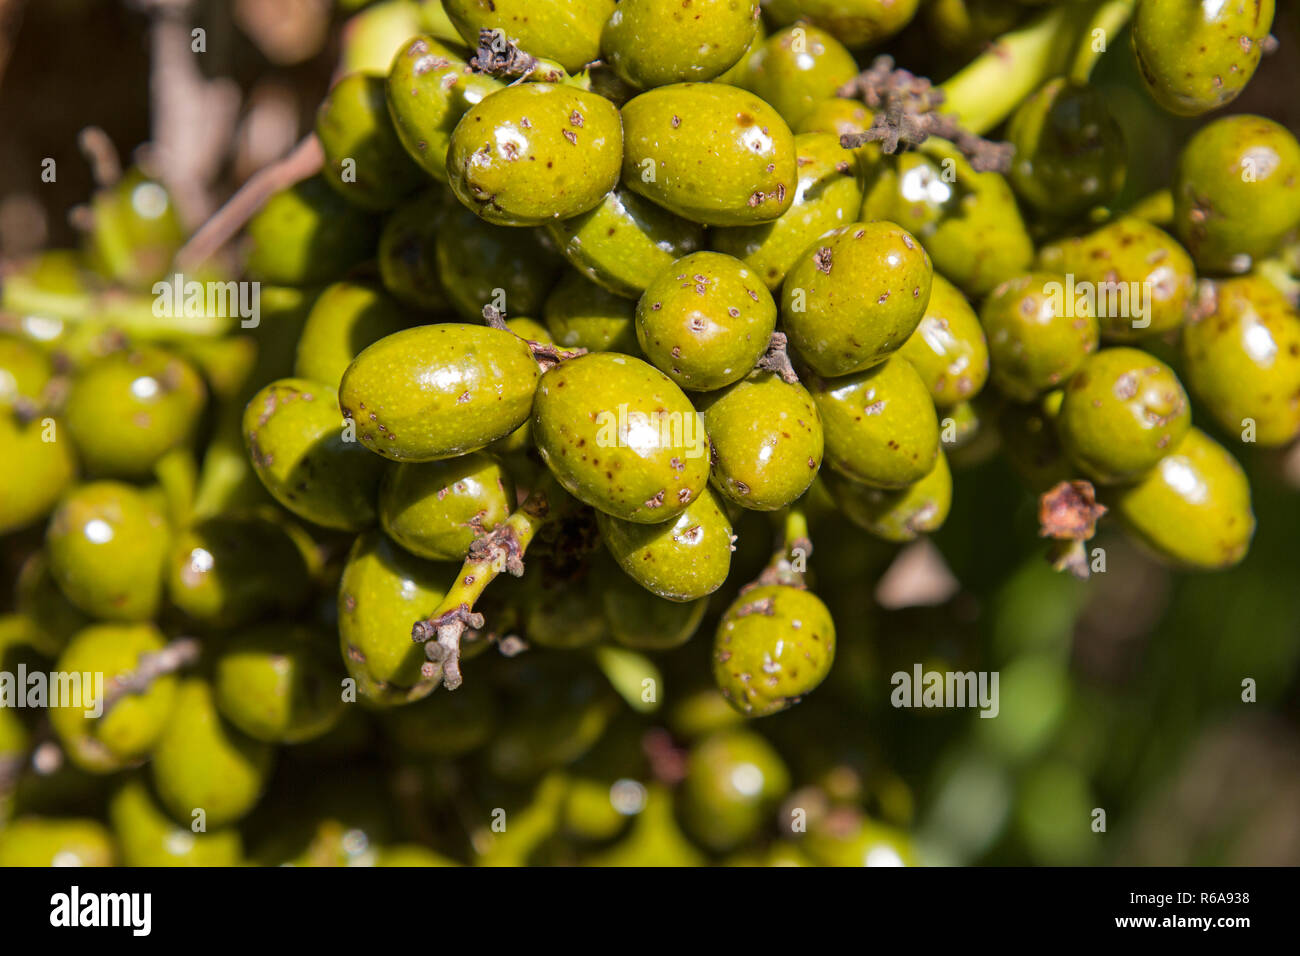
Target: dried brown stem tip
(1069, 511)
(444, 653)
(497, 55)
(904, 107)
(777, 359)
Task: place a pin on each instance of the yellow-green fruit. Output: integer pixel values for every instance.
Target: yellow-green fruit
(567, 31)
(294, 432)
(100, 739)
(203, 763)
(710, 153)
(38, 472)
(1134, 277)
(107, 544)
(643, 621)
(706, 320)
(656, 42)
(233, 569)
(948, 347)
(129, 409)
(370, 35)
(857, 23)
(25, 370)
(438, 391)
(880, 425)
(382, 593)
(734, 780)
(309, 235)
(836, 115)
(1122, 412)
(774, 644)
(429, 89)
(1237, 192)
(625, 241)
(535, 152)
(148, 837)
(767, 441)
(854, 296)
(1243, 360)
(54, 841)
(898, 516)
(408, 262)
(135, 230)
(279, 683)
(561, 613)
(364, 159)
(346, 317)
(828, 195)
(1196, 57)
(620, 436)
(481, 264)
(582, 315)
(1037, 335)
(859, 842)
(681, 560)
(437, 509)
(797, 68)
(1193, 509)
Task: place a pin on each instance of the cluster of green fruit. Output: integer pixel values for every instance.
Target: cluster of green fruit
(581, 280)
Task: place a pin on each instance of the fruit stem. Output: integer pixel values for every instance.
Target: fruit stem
(1106, 24)
(989, 88)
(789, 562)
(502, 549)
(177, 655)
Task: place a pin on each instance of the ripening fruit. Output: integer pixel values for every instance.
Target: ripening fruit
(346, 317)
(857, 23)
(580, 314)
(567, 32)
(796, 68)
(148, 837)
(1037, 335)
(55, 841)
(948, 347)
(640, 619)
(437, 509)
(734, 780)
(898, 516)
(657, 42)
(364, 159)
(41, 467)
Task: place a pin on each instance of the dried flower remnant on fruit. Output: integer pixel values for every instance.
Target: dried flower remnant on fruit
(1068, 513)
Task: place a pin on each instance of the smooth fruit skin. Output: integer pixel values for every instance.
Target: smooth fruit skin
(711, 153)
(382, 593)
(279, 683)
(896, 516)
(774, 644)
(798, 67)
(1193, 509)
(107, 544)
(682, 560)
(438, 391)
(948, 347)
(857, 23)
(308, 235)
(445, 725)
(37, 473)
(1236, 192)
(880, 425)
(54, 841)
(346, 317)
(408, 265)
(561, 613)
(1037, 337)
(582, 315)
(364, 159)
(126, 733)
(1196, 57)
(625, 241)
(837, 115)
(25, 370)
(535, 152)
(429, 88)
(734, 780)
(968, 222)
(705, 321)
(567, 31)
(203, 763)
(828, 195)
(437, 509)
(643, 621)
(231, 569)
(657, 42)
(1070, 153)
(1123, 411)
(620, 436)
(129, 409)
(1127, 260)
(1242, 360)
(148, 837)
(767, 441)
(854, 296)
(481, 264)
(294, 432)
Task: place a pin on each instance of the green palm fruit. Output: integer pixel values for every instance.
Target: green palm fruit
(1037, 336)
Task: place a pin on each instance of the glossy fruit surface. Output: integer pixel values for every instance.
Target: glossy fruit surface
(857, 23)
(733, 781)
(796, 68)
(567, 32)
(437, 509)
(1037, 336)
(948, 347)
(364, 159)
(41, 469)
(308, 235)
(582, 315)
(654, 43)
(345, 318)
(898, 516)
